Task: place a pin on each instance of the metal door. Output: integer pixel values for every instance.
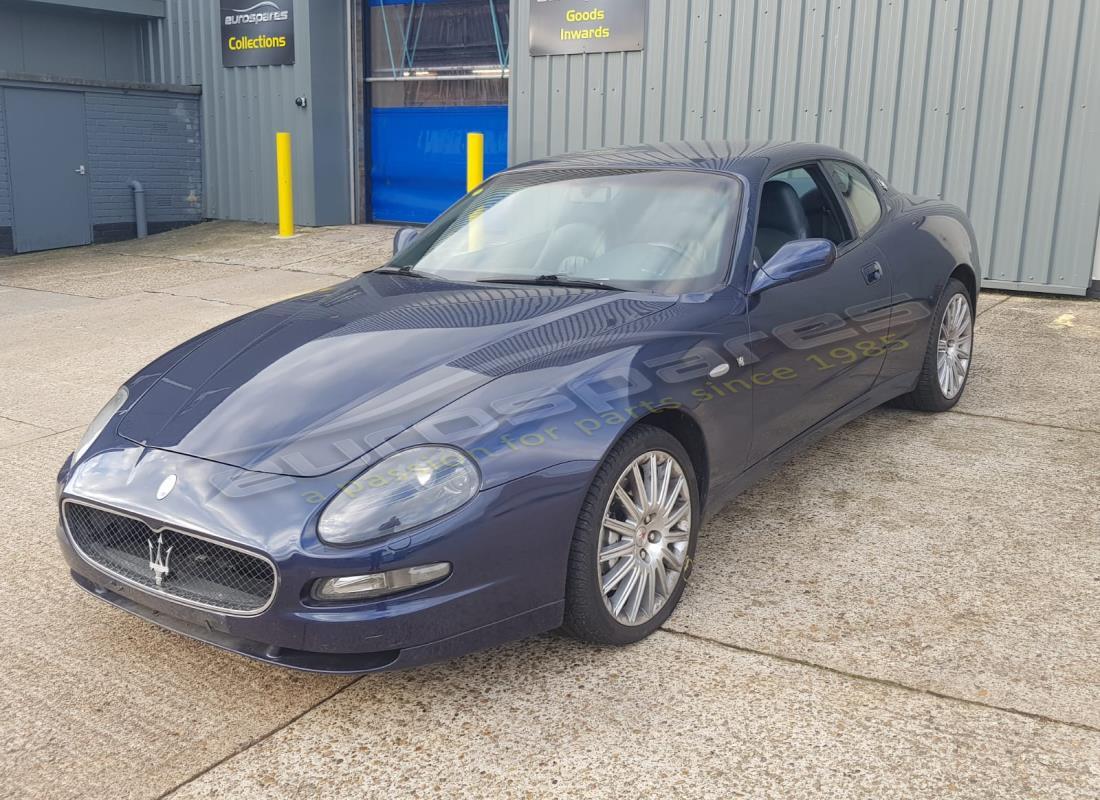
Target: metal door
(436, 71)
(813, 360)
(46, 146)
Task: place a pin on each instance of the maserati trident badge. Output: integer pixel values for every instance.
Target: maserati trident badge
(166, 487)
(158, 560)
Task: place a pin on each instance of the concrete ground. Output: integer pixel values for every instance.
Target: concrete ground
(909, 610)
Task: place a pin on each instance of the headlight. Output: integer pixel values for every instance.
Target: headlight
(400, 492)
(100, 422)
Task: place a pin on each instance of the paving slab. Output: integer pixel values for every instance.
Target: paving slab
(103, 274)
(195, 242)
(15, 302)
(348, 263)
(256, 288)
(990, 298)
(60, 367)
(950, 553)
(13, 432)
(670, 717)
(239, 243)
(1036, 361)
(378, 235)
(50, 269)
(94, 702)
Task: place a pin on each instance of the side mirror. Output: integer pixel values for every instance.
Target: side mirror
(793, 262)
(403, 238)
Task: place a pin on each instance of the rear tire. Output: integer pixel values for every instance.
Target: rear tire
(628, 565)
(948, 354)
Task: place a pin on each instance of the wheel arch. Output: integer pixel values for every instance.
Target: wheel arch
(966, 275)
(687, 431)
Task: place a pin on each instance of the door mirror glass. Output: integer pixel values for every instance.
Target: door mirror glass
(403, 238)
(795, 261)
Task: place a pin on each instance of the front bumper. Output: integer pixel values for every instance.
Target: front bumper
(205, 627)
(508, 548)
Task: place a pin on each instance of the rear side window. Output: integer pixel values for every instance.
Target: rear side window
(855, 189)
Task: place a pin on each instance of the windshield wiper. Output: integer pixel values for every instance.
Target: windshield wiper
(406, 270)
(557, 280)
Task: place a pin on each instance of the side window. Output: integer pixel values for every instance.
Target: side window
(857, 193)
(799, 178)
(797, 204)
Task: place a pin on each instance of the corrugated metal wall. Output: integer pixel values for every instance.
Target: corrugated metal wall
(40, 40)
(244, 107)
(991, 104)
(5, 181)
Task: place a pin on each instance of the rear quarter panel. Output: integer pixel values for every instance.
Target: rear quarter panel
(924, 242)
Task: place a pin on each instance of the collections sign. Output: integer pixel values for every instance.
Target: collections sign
(257, 34)
(586, 26)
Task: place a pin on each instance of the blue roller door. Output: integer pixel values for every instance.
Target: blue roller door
(418, 157)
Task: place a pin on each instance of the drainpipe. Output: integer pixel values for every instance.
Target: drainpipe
(139, 209)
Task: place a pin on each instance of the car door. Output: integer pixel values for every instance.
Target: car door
(818, 343)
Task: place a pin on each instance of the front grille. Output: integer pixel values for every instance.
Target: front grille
(200, 572)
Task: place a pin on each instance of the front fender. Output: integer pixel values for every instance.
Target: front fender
(534, 419)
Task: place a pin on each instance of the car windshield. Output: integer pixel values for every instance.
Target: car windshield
(665, 231)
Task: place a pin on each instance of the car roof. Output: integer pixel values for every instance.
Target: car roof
(743, 157)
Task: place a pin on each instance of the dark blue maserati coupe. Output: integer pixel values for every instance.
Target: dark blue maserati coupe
(521, 421)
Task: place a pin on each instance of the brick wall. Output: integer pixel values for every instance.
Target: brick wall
(151, 138)
(147, 136)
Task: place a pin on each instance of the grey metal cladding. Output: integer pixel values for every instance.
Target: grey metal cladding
(5, 177)
(988, 103)
(243, 107)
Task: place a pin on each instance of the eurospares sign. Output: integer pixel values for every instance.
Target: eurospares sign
(257, 34)
(586, 26)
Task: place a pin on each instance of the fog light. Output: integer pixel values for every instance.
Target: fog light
(378, 584)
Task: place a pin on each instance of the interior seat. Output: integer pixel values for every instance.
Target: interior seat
(782, 219)
(823, 223)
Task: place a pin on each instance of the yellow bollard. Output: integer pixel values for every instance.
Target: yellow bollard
(285, 181)
(475, 174)
(475, 160)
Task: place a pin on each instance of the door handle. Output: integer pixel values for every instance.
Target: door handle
(872, 272)
(80, 170)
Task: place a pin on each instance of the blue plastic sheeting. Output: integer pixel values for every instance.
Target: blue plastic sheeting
(418, 157)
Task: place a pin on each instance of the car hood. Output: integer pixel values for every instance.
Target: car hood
(308, 385)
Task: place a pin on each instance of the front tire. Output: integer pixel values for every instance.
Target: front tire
(947, 358)
(634, 542)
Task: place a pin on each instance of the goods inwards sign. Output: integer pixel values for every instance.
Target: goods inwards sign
(586, 26)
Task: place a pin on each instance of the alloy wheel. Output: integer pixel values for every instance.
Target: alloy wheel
(644, 536)
(954, 345)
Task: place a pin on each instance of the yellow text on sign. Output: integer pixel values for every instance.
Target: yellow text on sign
(256, 42)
